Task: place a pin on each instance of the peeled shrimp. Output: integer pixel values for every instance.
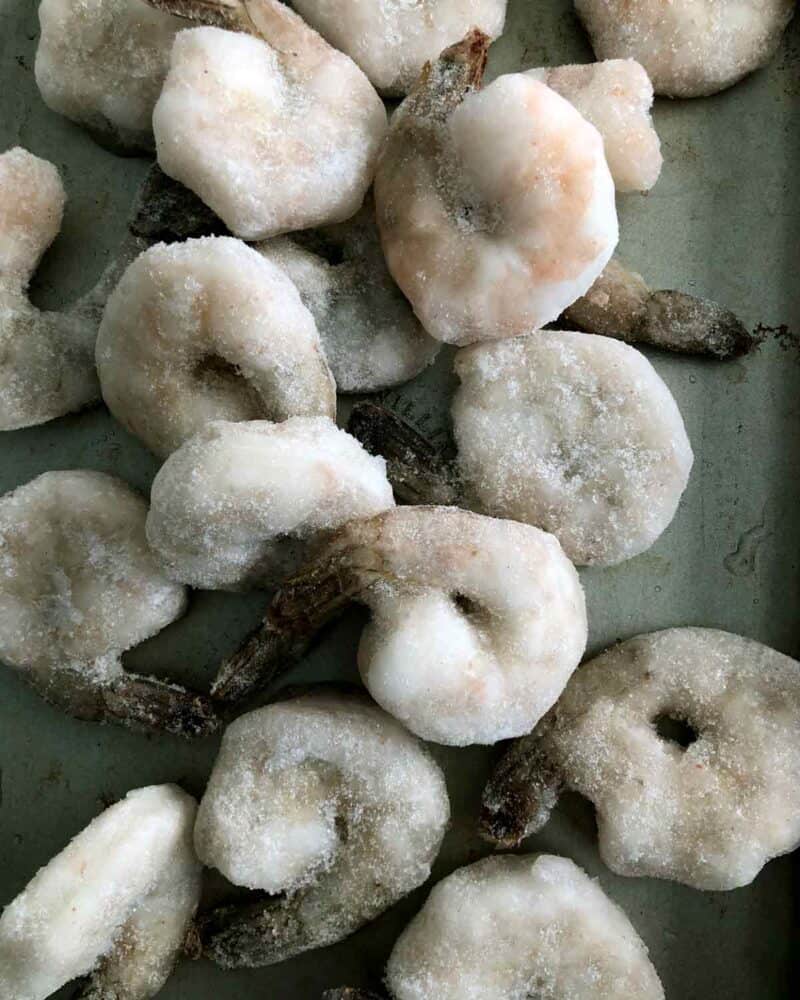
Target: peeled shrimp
(46, 358)
(272, 127)
(496, 207)
(78, 587)
(102, 63)
(114, 905)
(709, 808)
(391, 40)
(243, 504)
(690, 48)
(326, 800)
(369, 333)
(512, 927)
(615, 96)
(208, 330)
(476, 623)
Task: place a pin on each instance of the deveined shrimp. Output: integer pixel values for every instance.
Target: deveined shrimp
(476, 623)
(326, 801)
(496, 207)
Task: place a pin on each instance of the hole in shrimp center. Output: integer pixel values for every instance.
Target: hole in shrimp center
(673, 729)
(213, 368)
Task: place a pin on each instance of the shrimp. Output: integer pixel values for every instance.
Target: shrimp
(690, 48)
(526, 926)
(369, 333)
(476, 624)
(574, 433)
(78, 587)
(326, 801)
(620, 304)
(243, 504)
(114, 905)
(615, 96)
(102, 63)
(272, 127)
(688, 743)
(391, 40)
(207, 330)
(496, 207)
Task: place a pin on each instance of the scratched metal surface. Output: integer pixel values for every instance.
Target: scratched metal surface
(723, 221)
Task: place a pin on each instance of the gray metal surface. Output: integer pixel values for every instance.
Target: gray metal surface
(723, 221)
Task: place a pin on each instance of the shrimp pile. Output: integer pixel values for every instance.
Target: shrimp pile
(78, 587)
(208, 330)
(244, 504)
(708, 808)
(114, 905)
(495, 206)
(272, 127)
(326, 800)
(512, 927)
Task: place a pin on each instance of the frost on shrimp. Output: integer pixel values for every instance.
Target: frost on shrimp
(114, 905)
(391, 40)
(369, 333)
(46, 358)
(549, 929)
(272, 127)
(615, 96)
(102, 63)
(326, 801)
(621, 305)
(476, 623)
(244, 504)
(208, 330)
(496, 208)
(78, 587)
(690, 48)
(708, 811)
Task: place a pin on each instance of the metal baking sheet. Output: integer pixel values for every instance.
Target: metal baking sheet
(723, 221)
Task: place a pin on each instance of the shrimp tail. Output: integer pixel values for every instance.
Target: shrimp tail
(445, 82)
(143, 704)
(620, 304)
(416, 469)
(254, 934)
(228, 14)
(520, 794)
(306, 602)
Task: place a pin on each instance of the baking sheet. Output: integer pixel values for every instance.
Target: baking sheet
(723, 221)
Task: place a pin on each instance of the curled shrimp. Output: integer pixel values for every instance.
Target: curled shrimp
(244, 504)
(78, 587)
(525, 926)
(114, 905)
(272, 127)
(496, 207)
(329, 806)
(476, 623)
(208, 330)
(102, 63)
(686, 741)
(690, 48)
